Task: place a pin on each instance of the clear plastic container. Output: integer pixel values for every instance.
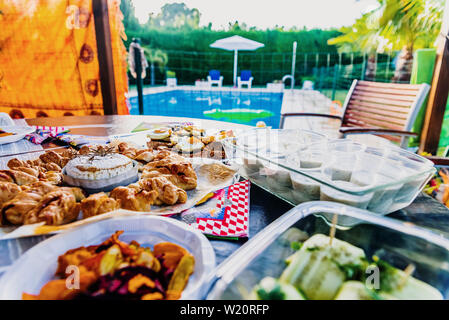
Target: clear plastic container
(382, 180)
(397, 243)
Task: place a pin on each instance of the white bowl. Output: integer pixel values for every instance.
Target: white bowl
(38, 265)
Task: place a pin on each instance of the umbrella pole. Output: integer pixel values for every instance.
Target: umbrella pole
(235, 67)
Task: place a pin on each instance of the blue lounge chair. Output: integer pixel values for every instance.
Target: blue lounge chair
(245, 78)
(214, 77)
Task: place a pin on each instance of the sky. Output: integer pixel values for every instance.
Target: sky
(263, 14)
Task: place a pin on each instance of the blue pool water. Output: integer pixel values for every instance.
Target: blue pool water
(234, 106)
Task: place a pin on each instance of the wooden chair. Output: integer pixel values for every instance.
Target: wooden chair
(385, 109)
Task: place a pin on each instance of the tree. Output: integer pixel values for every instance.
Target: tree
(410, 24)
(129, 15)
(176, 15)
(155, 57)
(404, 25)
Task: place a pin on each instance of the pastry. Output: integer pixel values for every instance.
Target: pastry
(8, 191)
(78, 193)
(174, 167)
(54, 157)
(17, 177)
(27, 204)
(98, 203)
(14, 163)
(55, 208)
(134, 199)
(214, 150)
(145, 156)
(126, 149)
(167, 192)
(52, 177)
(31, 171)
(190, 141)
(37, 164)
(51, 166)
(15, 209)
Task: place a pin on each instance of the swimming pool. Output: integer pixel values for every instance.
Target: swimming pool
(246, 107)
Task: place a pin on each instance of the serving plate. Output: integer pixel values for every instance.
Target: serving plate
(19, 133)
(38, 265)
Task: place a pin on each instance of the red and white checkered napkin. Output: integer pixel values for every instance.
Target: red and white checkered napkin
(234, 221)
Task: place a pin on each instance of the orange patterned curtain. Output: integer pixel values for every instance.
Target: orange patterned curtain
(48, 58)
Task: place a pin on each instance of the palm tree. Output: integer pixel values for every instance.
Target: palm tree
(360, 37)
(410, 24)
(404, 25)
(155, 56)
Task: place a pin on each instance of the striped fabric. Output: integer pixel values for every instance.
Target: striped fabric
(43, 132)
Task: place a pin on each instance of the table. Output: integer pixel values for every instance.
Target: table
(265, 207)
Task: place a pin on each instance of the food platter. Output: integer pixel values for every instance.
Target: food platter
(146, 230)
(58, 191)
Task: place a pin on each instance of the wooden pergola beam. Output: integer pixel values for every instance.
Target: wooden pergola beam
(436, 106)
(104, 52)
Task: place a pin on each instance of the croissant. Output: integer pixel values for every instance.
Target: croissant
(168, 193)
(17, 177)
(77, 192)
(134, 199)
(50, 156)
(55, 208)
(173, 167)
(8, 191)
(15, 163)
(15, 209)
(51, 167)
(84, 150)
(146, 156)
(52, 177)
(98, 203)
(31, 171)
(56, 158)
(36, 168)
(69, 153)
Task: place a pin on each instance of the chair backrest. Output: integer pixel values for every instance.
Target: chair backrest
(383, 105)
(245, 75)
(214, 74)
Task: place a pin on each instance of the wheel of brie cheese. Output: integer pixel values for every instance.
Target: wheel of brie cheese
(98, 167)
(96, 173)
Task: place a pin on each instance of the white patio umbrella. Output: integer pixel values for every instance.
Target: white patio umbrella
(236, 43)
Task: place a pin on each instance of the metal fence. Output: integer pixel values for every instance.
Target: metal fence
(330, 72)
